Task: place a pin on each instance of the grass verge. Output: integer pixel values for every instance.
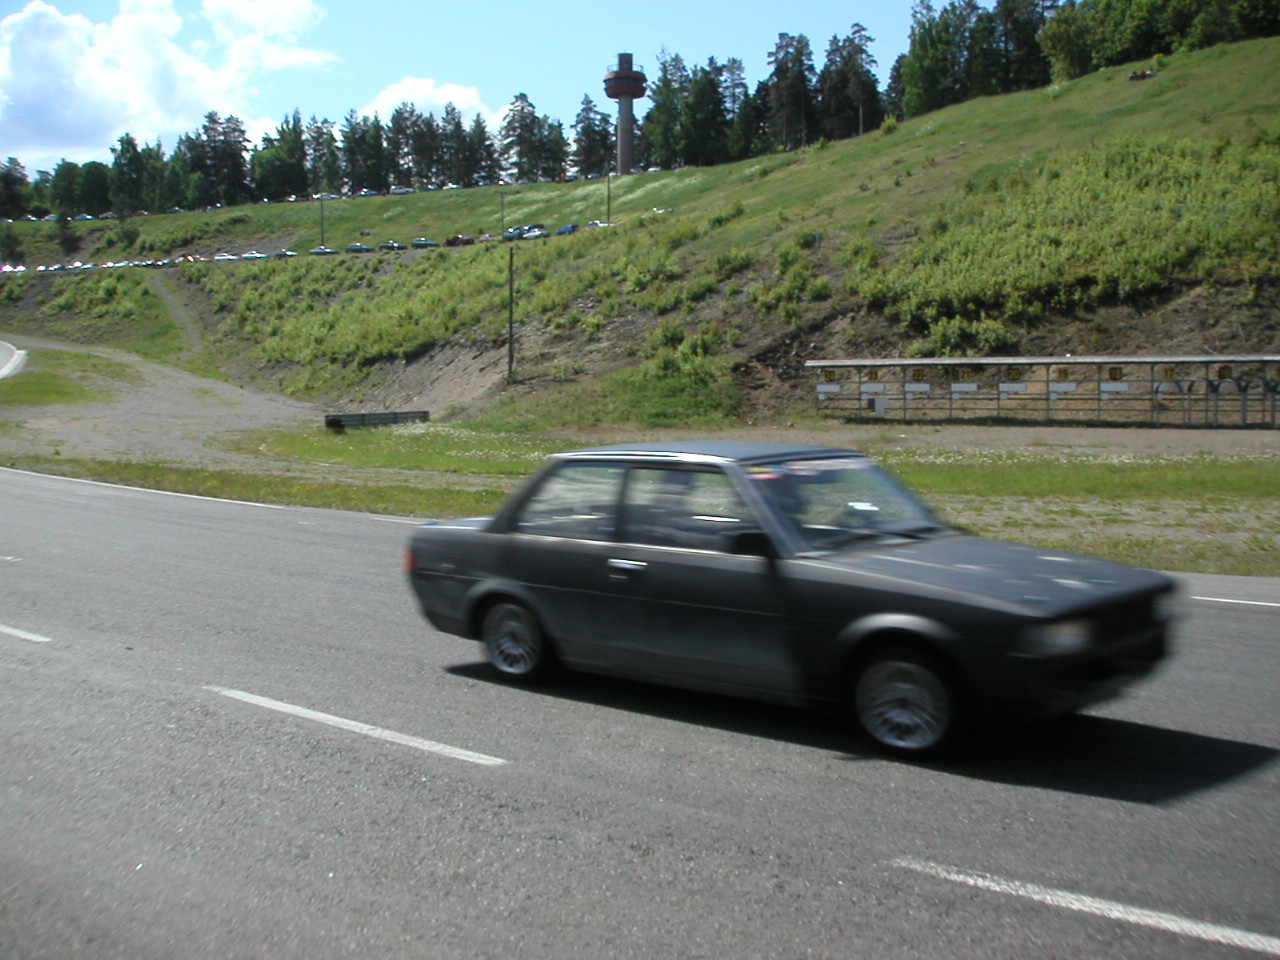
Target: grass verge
(392, 499)
(62, 377)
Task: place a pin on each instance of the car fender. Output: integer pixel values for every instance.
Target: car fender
(483, 592)
(861, 634)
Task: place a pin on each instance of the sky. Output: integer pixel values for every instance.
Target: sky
(75, 75)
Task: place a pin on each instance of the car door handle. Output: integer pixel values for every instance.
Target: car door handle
(618, 569)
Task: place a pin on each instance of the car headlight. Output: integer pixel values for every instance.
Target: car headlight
(1056, 639)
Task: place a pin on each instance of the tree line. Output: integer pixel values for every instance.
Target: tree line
(963, 50)
(700, 115)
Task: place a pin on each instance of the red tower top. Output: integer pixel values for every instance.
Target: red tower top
(624, 81)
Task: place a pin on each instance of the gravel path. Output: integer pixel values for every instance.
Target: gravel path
(167, 416)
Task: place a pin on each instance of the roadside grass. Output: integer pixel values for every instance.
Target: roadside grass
(425, 500)
(64, 377)
(427, 447)
(1203, 479)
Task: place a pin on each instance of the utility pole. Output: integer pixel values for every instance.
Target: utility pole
(511, 312)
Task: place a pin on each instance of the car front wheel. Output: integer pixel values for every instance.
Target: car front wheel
(514, 644)
(903, 700)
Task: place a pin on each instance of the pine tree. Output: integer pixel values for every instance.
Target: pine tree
(791, 92)
(593, 145)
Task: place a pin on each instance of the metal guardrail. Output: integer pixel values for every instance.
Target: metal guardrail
(338, 422)
(1186, 391)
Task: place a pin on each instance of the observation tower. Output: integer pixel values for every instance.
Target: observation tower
(624, 83)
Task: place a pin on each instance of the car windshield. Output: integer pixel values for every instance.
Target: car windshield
(836, 501)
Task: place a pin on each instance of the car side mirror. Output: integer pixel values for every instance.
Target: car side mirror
(752, 543)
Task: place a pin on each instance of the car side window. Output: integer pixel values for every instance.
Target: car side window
(577, 501)
(682, 508)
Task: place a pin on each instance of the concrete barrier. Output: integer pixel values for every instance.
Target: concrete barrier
(338, 422)
(11, 359)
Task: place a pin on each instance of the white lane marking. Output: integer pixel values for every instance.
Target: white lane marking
(1169, 922)
(355, 726)
(125, 486)
(1251, 603)
(23, 635)
(413, 523)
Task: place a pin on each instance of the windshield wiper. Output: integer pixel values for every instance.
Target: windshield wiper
(846, 537)
(923, 532)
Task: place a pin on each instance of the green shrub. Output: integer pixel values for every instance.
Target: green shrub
(728, 262)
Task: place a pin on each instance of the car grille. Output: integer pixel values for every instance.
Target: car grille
(1123, 622)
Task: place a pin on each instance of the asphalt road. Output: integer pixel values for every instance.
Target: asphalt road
(164, 791)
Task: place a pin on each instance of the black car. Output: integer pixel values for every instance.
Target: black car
(796, 574)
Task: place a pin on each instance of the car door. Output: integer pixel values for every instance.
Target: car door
(687, 610)
(557, 552)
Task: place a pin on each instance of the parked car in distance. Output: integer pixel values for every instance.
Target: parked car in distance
(222, 257)
(359, 248)
(253, 255)
(567, 229)
(513, 233)
(322, 250)
(391, 245)
(283, 254)
(797, 574)
(422, 243)
(459, 240)
(400, 191)
(535, 231)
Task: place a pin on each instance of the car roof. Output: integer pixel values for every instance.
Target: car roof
(739, 451)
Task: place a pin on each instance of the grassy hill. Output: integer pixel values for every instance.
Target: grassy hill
(1103, 215)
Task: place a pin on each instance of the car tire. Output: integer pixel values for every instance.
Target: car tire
(903, 700)
(514, 644)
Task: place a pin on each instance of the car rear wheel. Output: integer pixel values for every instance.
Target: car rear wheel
(514, 644)
(904, 701)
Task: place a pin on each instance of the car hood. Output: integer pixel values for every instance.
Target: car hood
(1044, 581)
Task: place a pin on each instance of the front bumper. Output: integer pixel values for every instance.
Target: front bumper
(1056, 685)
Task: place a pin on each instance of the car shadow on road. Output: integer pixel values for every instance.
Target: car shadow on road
(1113, 759)
(1095, 756)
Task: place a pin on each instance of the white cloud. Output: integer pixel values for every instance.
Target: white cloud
(70, 87)
(430, 97)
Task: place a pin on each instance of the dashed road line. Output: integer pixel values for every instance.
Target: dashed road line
(24, 635)
(1248, 603)
(355, 726)
(1110, 909)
